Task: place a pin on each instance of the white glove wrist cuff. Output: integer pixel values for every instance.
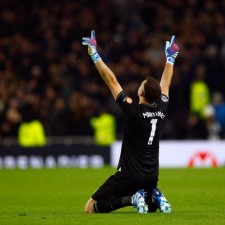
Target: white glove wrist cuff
(170, 60)
(96, 57)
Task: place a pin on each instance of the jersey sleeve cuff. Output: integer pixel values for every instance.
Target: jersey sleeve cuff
(121, 96)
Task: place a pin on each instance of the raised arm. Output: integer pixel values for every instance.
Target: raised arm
(171, 51)
(106, 74)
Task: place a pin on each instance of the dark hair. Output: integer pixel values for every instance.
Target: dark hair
(152, 89)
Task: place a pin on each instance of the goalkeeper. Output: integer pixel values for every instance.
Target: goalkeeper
(135, 181)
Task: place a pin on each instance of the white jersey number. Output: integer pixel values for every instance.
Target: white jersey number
(152, 134)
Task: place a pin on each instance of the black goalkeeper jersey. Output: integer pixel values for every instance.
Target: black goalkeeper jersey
(142, 132)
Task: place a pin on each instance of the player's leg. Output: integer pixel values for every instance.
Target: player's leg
(109, 205)
(105, 206)
(106, 198)
(160, 201)
(112, 195)
(137, 200)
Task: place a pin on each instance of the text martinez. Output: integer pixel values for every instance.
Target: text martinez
(153, 114)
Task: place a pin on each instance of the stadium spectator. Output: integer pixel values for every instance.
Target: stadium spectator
(219, 108)
(31, 132)
(199, 93)
(104, 127)
(212, 125)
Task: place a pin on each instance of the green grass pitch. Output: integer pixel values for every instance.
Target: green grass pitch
(57, 196)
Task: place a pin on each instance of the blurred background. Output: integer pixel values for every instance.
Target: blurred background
(49, 85)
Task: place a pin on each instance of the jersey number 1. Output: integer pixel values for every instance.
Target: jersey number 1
(152, 134)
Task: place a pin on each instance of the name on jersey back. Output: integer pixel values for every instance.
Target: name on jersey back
(153, 114)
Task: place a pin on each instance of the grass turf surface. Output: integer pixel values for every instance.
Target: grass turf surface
(57, 196)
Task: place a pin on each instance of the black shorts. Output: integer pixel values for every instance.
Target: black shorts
(120, 185)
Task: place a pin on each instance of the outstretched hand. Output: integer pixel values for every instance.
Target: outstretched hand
(91, 43)
(92, 46)
(171, 50)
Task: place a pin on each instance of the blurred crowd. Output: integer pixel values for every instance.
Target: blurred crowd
(46, 74)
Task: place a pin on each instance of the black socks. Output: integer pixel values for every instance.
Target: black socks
(105, 206)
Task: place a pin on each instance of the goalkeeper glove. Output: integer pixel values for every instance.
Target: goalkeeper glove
(171, 50)
(92, 46)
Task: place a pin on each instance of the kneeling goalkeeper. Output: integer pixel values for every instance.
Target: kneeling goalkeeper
(135, 182)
